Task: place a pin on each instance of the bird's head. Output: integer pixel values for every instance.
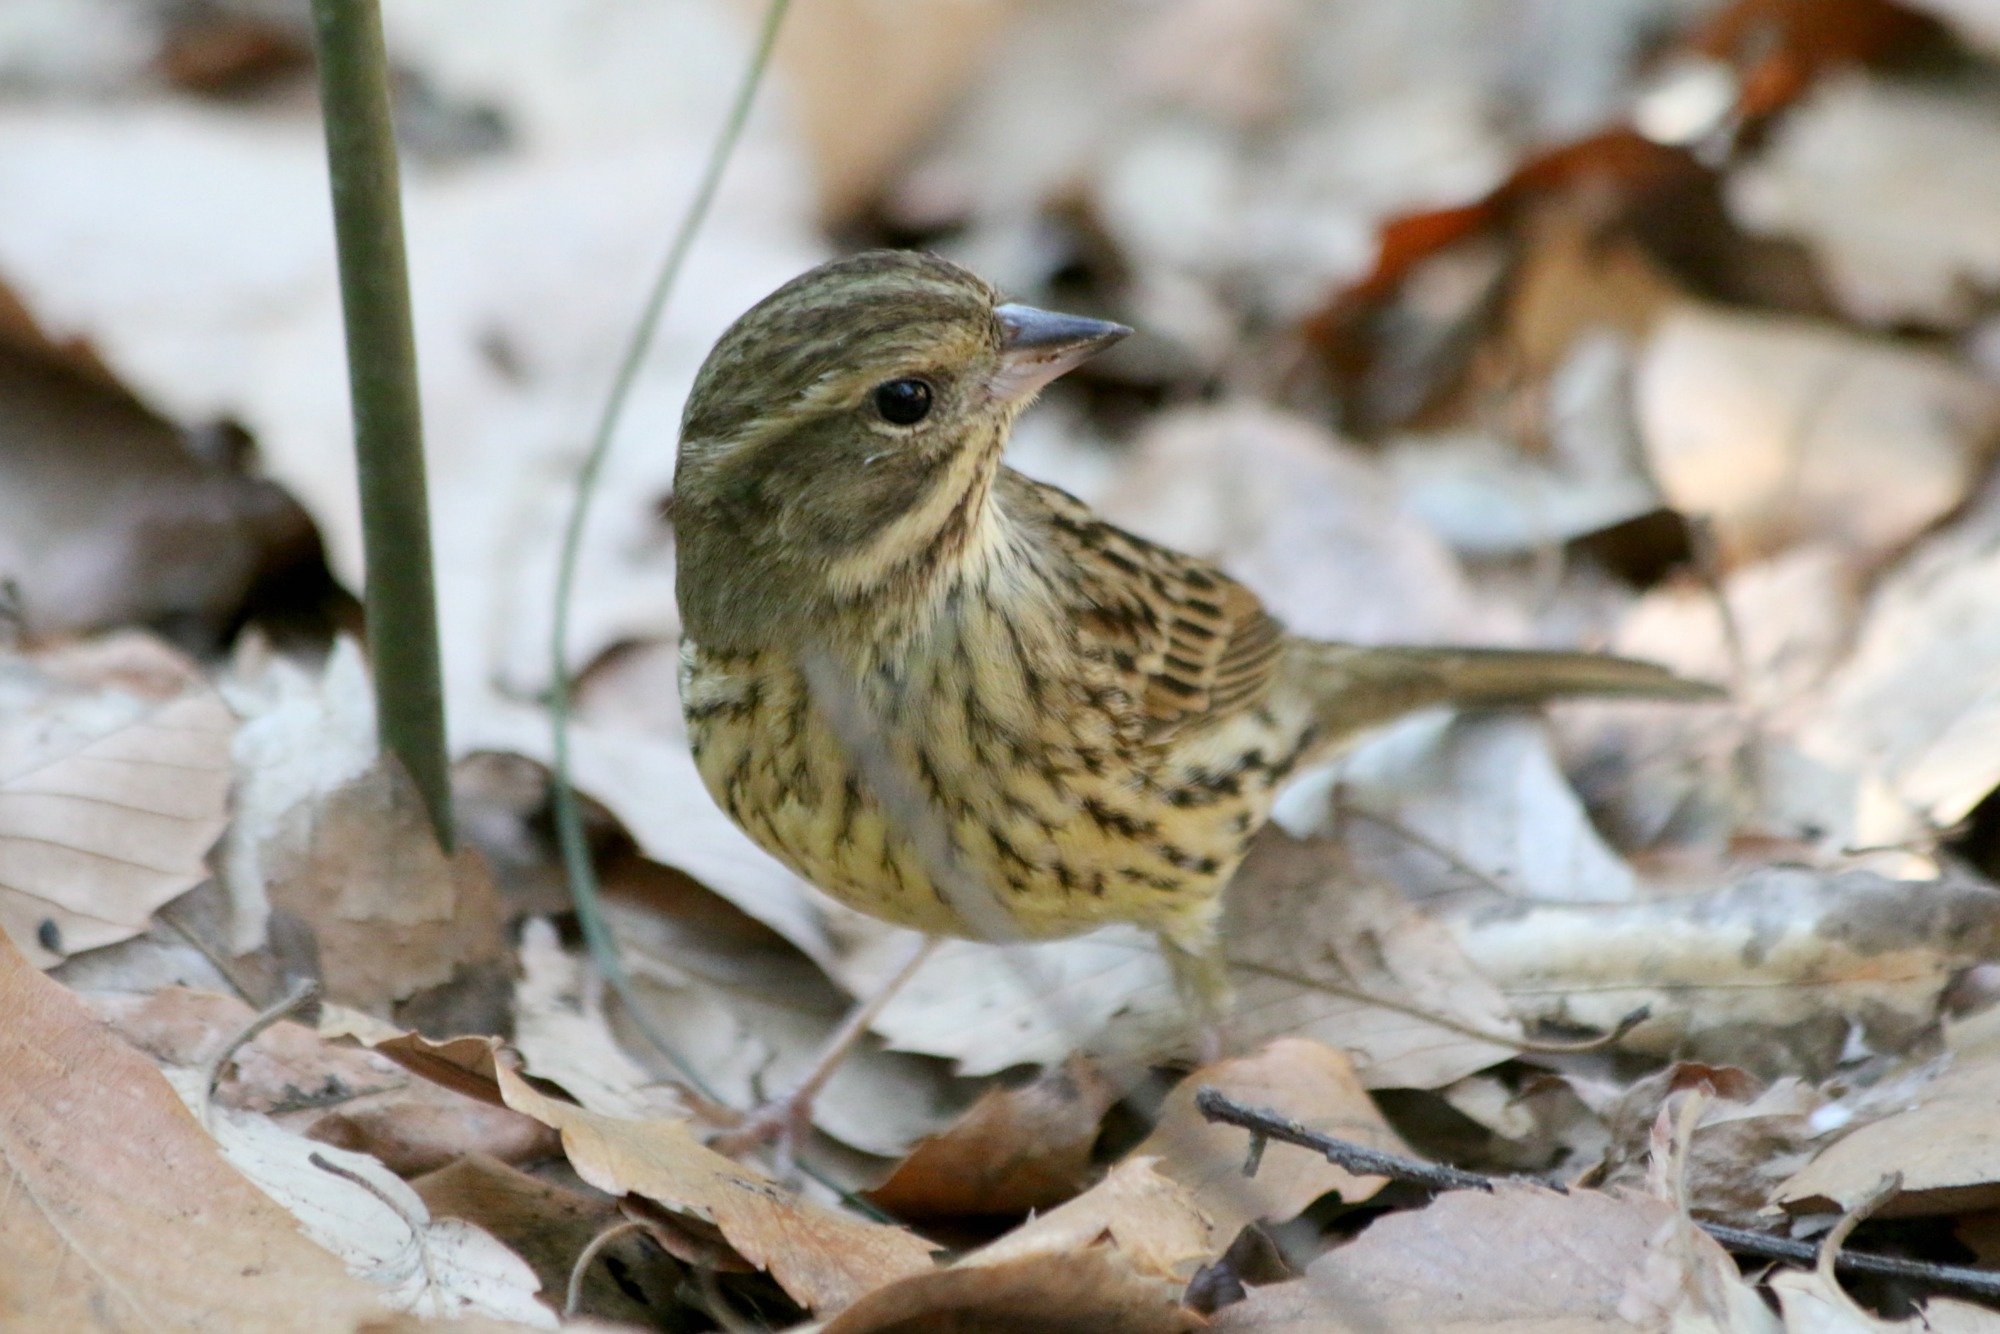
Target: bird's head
(840, 425)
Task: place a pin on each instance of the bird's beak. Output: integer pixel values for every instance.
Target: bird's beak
(1038, 345)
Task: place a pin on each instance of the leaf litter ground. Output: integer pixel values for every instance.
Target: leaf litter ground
(1642, 335)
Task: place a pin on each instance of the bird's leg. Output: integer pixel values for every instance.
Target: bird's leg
(1201, 976)
(783, 1122)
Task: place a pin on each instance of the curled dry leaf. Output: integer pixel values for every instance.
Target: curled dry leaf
(748, 1011)
(824, 1259)
(96, 1154)
(1518, 1258)
(560, 1032)
(1017, 1150)
(114, 784)
(1813, 1302)
(1779, 430)
(1307, 1081)
(1781, 962)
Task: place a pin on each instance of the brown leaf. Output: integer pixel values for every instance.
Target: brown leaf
(1296, 1077)
(823, 1259)
(117, 1211)
(1944, 1141)
(549, 1226)
(114, 783)
(1080, 1293)
(1151, 1220)
(281, 1068)
(1018, 1149)
(391, 912)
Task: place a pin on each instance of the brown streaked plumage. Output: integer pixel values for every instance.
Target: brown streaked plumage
(1099, 723)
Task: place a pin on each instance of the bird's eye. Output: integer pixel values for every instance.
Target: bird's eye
(903, 402)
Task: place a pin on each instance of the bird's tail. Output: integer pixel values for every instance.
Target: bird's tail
(1354, 687)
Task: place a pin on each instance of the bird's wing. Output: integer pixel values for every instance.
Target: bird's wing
(1183, 641)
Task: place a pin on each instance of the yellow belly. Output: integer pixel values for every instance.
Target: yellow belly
(1052, 828)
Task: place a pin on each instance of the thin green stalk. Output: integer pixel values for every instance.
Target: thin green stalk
(568, 818)
(400, 597)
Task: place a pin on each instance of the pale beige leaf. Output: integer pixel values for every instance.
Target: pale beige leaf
(1782, 950)
(1520, 1258)
(1780, 430)
(381, 1230)
(117, 1212)
(109, 802)
(1893, 188)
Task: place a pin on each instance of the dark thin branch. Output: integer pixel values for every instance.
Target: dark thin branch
(1344, 1154)
(400, 596)
(1363, 1161)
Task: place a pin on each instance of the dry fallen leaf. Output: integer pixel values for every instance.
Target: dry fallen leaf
(114, 783)
(1017, 1150)
(824, 1259)
(1086, 1292)
(1473, 802)
(285, 1066)
(1916, 706)
(1943, 1140)
(391, 912)
(1307, 521)
(548, 1226)
(1322, 950)
(1775, 967)
(1151, 1221)
(1518, 1258)
(1893, 189)
(1307, 1081)
(117, 1211)
(1780, 430)
(365, 1214)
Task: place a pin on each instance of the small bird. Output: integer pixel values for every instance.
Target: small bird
(952, 697)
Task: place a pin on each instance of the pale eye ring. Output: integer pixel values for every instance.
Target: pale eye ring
(903, 402)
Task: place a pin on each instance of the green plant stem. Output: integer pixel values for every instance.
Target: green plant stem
(400, 596)
(568, 817)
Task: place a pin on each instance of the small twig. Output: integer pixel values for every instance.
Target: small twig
(419, 1235)
(302, 991)
(1363, 1161)
(1359, 1159)
(584, 1258)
